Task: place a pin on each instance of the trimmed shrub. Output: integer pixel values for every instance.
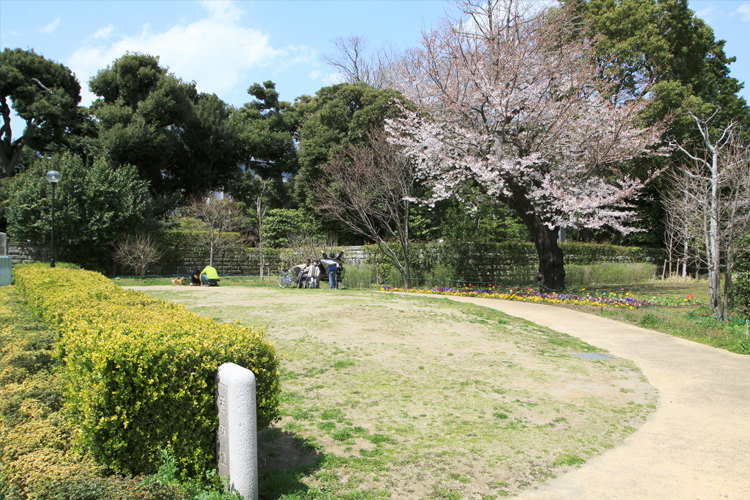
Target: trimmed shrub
(508, 262)
(139, 372)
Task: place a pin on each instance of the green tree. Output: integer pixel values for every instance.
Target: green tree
(282, 224)
(268, 131)
(338, 116)
(665, 42)
(94, 204)
(182, 142)
(44, 94)
(210, 147)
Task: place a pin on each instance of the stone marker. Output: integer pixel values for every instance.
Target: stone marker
(237, 439)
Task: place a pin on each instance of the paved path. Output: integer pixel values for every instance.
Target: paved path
(695, 446)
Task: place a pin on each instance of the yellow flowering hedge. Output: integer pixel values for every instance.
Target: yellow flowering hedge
(140, 372)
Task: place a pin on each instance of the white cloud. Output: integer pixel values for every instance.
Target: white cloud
(104, 32)
(744, 10)
(705, 14)
(334, 78)
(50, 27)
(223, 9)
(9, 33)
(216, 52)
(314, 75)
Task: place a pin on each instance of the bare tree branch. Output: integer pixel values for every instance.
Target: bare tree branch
(137, 252)
(218, 216)
(356, 64)
(711, 199)
(369, 189)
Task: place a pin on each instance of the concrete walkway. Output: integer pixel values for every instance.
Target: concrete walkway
(695, 446)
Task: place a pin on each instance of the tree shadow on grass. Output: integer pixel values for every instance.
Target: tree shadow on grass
(284, 458)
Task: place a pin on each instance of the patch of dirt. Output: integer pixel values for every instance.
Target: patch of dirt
(467, 400)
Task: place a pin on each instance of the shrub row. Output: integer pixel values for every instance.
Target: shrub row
(37, 459)
(139, 372)
(502, 262)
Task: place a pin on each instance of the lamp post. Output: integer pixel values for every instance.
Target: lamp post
(53, 177)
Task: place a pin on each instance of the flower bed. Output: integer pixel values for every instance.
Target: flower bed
(607, 299)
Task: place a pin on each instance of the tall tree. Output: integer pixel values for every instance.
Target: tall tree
(268, 130)
(44, 94)
(665, 42)
(509, 104)
(140, 112)
(369, 189)
(336, 117)
(182, 142)
(209, 151)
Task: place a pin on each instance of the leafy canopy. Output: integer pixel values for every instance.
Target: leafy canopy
(93, 203)
(44, 94)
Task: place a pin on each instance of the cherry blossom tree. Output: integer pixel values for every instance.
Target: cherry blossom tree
(513, 104)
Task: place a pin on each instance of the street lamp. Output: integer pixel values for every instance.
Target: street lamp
(53, 177)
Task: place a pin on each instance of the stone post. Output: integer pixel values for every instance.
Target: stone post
(237, 438)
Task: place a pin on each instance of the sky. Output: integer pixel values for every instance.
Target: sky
(226, 46)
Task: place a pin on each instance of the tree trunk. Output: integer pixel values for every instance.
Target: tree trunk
(406, 273)
(714, 243)
(685, 257)
(551, 273)
(551, 266)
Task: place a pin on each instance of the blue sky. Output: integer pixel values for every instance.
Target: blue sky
(226, 46)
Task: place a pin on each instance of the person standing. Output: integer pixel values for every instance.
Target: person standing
(332, 273)
(314, 274)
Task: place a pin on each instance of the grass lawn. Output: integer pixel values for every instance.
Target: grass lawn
(391, 396)
(674, 307)
(673, 314)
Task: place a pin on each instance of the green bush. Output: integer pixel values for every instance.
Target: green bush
(513, 262)
(139, 372)
(361, 276)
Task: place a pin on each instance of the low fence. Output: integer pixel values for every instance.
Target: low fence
(492, 262)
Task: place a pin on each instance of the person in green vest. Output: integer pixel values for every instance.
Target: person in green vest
(209, 277)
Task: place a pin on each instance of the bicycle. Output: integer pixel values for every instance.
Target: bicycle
(289, 277)
(285, 278)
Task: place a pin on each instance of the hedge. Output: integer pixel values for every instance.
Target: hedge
(501, 262)
(139, 372)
